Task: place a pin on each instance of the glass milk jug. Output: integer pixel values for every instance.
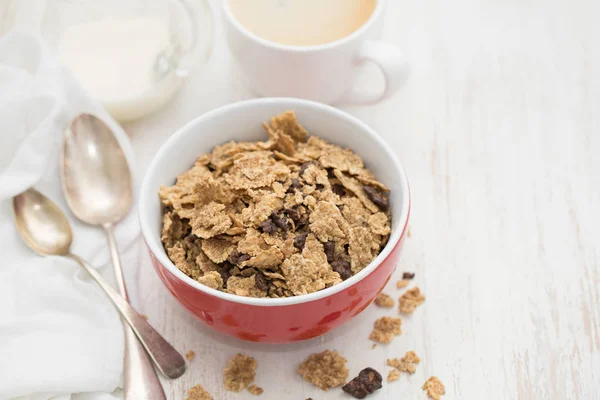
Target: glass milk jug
(131, 55)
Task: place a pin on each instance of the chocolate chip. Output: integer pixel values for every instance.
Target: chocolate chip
(319, 186)
(223, 270)
(260, 281)
(304, 166)
(268, 227)
(355, 389)
(342, 267)
(377, 197)
(300, 240)
(237, 258)
(367, 381)
(293, 214)
(298, 215)
(371, 379)
(302, 222)
(338, 189)
(280, 221)
(330, 173)
(295, 185)
(329, 248)
(408, 275)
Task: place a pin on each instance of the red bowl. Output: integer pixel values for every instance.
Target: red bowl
(274, 320)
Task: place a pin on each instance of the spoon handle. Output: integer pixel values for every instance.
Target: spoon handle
(166, 358)
(140, 379)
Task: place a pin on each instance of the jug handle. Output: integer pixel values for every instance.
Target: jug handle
(180, 58)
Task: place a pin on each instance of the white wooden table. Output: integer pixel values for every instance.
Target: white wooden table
(499, 131)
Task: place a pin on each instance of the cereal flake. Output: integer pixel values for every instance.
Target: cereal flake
(239, 372)
(354, 212)
(341, 159)
(208, 189)
(402, 283)
(357, 188)
(393, 375)
(410, 300)
(434, 388)
(379, 224)
(324, 370)
(268, 258)
(255, 390)
(288, 124)
(217, 249)
(255, 170)
(383, 300)
(408, 363)
(361, 248)
(282, 142)
(305, 276)
(327, 223)
(209, 220)
(198, 393)
(385, 329)
(211, 279)
(244, 287)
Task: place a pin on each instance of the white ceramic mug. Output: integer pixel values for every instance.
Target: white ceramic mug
(325, 73)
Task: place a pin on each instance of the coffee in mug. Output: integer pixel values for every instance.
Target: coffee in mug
(302, 22)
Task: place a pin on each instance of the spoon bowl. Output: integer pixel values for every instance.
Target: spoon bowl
(42, 224)
(95, 175)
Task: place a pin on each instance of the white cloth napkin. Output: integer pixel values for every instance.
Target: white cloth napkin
(59, 334)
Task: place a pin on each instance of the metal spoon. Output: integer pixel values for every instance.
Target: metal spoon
(98, 188)
(46, 230)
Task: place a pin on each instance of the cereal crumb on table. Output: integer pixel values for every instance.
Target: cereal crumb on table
(408, 363)
(434, 388)
(324, 370)
(284, 217)
(373, 345)
(198, 393)
(383, 300)
(145, 316)
(402, 283)
(367, 381)
(255, 390)
(393, 375)
(410, 300)
(239, 372)
(190, 355)
(385, 329)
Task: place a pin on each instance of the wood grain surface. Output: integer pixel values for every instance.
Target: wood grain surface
(499, 131)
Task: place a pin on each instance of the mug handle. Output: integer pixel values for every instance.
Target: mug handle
(391, 62)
